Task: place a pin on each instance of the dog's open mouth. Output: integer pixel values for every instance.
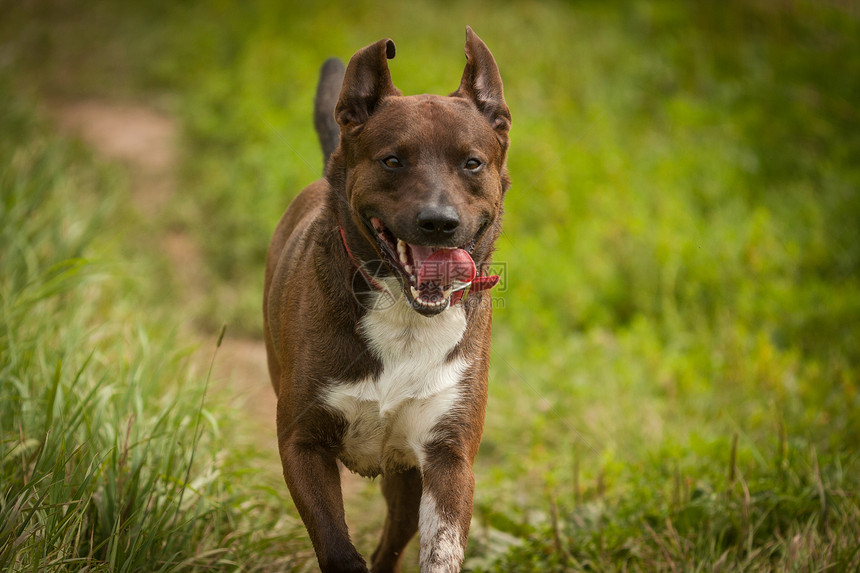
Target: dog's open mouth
(430, 274)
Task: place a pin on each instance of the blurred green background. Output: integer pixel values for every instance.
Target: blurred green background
(676, 351)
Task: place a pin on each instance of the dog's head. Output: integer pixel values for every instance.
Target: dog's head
(425, 175)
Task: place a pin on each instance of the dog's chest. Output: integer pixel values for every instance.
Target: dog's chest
(392, 417)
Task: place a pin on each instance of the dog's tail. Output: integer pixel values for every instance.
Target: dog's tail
(328, 92)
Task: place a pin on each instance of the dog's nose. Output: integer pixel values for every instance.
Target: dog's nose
(438, 221)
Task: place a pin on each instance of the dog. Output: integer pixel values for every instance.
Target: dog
(377, 358)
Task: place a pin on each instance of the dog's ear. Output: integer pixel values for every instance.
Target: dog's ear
(482, 84)
(366, 83)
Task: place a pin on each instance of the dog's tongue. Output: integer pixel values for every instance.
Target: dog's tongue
(443, 268)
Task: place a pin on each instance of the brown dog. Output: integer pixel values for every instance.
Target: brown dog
(376, 358)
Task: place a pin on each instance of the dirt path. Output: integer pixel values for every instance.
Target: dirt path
(146, 142)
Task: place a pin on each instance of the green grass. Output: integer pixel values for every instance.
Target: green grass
(112, 456)
(674, 381)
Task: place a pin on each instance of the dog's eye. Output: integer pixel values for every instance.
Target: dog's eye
(392, 162)
(472, 164)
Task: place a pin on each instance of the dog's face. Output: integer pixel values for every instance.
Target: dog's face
(425, 175)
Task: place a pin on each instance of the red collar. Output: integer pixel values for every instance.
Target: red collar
(479, 283)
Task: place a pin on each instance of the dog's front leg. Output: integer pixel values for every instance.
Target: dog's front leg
(402, 495)
(312, 476)
(446, 511)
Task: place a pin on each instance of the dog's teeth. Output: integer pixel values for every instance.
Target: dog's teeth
(447, 293)
(402, 250)
(407, 267)
(415, 293)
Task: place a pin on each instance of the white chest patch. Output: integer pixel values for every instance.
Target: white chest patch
(391, 418)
